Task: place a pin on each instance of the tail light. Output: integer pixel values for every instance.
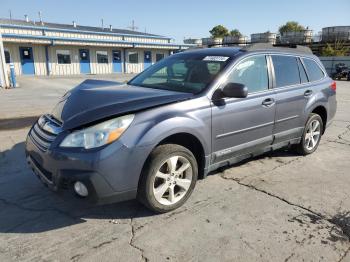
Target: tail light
(334, 85)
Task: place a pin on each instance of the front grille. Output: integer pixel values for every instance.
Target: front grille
(44, 132)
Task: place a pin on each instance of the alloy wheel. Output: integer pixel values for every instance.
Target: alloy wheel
(312, 135)
(172, 180)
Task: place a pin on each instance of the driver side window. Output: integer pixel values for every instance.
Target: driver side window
(252, 72)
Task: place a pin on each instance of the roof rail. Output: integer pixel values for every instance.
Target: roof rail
(278, 47)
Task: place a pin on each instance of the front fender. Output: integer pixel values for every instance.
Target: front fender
(176, 125)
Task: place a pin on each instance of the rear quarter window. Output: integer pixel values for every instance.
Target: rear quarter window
(313, 70)
(286, 70)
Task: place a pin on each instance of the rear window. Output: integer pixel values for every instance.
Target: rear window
(286, 70)
(313, 70)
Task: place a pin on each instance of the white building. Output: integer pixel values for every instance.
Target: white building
(59, 49)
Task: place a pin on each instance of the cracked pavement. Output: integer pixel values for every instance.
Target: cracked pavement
(276, 207)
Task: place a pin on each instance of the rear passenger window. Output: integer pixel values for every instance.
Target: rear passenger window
(286, 70)
(302, 72)
(313, 70)
(252, 72)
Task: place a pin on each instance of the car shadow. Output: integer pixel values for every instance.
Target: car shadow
(27, 206)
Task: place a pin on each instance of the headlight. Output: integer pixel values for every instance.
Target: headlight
(98, 135)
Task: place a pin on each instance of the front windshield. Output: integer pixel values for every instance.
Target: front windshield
(190, 73)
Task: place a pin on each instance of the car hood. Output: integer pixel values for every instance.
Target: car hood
(95, 100)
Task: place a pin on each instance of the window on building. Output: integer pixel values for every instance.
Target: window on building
(133, 58)
(286, 70)
(63, 57)
(252, 72)
(102, 57)
(7, 57)
(313, 70)
(159, 57)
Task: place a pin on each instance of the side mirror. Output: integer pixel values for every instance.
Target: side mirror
(236, 90)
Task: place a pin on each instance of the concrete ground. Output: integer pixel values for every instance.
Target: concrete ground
(278, 207)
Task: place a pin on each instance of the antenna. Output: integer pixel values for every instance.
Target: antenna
(102, 23)
(133, 27)
(40, 18)
(10, 14)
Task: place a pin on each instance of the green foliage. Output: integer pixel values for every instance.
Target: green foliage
(219, 31)
(336, 49)
(235, 32)
(291, 26)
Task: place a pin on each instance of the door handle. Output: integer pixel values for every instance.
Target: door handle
(268, 102)
(308, 93)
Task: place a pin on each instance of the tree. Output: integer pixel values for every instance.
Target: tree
(291, 26)
(338, 49)
(219, 31)
(235, 32)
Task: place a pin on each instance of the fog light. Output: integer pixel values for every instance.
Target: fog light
(80, 189)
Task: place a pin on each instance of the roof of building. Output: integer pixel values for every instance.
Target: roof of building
(91, 29)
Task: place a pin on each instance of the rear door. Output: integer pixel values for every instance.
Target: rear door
(292, 92)
(243, 125)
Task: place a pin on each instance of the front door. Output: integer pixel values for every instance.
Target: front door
(147, 59)
(243, 125)
(84, 57)
(27, 61)
(117, 61)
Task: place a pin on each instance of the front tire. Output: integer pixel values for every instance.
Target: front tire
(312, 135)
(168, 178)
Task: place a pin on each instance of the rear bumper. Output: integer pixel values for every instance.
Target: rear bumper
(59, 170)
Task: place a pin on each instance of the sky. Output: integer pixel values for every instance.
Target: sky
(185, 18)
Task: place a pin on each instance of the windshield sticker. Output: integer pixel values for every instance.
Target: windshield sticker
(216, 58)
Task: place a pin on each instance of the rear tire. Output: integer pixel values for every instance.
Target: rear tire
(168, 178)
(311, 136)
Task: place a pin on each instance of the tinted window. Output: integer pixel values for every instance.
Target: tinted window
(286, 70)
(63, 57)
(252, 72)
(102, 57)
(133, 58)
(7, 57)
(159, 57)
(302, 72)
(313, 70)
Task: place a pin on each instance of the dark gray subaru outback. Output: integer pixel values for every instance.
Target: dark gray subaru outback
(178, 120)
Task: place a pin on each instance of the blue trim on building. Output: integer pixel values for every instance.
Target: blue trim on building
(132, 44)
(80, 31)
